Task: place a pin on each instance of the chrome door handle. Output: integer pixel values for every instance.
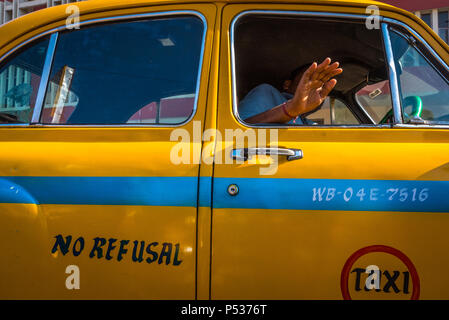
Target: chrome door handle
(246, 153)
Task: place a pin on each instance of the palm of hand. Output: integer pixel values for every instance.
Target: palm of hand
(315, 85)
(311, 95)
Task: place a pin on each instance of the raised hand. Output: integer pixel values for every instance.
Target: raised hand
(315, 85)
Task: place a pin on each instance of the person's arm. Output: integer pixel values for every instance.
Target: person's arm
(274, 115)
(315, 85)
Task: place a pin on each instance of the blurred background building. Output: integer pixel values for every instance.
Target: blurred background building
(434, 12)
(12, 9)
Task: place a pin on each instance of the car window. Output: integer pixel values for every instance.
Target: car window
(332, 112)
(141, 72)
(20, 76)
(375, 100)
(269, 55)
(424, 91)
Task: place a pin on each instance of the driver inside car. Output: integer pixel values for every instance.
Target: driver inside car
(304, 92)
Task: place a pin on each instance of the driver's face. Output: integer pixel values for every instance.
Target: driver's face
(290, 86)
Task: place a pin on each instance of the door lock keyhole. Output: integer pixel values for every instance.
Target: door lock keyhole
(233, 189)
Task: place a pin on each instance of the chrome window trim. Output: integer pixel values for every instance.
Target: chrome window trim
(392, 74)
(421, 126)
(21, 125)
(130, 17)
(383, 20)
(38, 105)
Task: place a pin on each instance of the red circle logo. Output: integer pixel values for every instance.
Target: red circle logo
(383, 249)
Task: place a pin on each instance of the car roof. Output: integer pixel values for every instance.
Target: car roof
(16, 28)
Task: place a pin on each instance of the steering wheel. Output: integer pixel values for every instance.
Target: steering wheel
(414, 101)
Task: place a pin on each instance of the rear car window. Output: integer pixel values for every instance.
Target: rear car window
(141, 72)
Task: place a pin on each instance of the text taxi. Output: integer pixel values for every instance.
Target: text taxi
(223, 150)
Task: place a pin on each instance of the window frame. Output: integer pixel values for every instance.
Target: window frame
(314, 14)
(51, 49)
(417, 38)
(384, 21)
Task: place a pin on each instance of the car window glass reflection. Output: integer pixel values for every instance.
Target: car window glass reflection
(19, 83)
(142, 72)
(425, 93)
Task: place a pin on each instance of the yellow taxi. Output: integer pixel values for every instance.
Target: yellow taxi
(128, 169)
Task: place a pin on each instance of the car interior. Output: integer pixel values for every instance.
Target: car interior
(291, 41)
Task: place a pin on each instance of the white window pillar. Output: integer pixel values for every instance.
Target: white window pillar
(2, 12)
(435, 20)
(418, 14)
(15, 8)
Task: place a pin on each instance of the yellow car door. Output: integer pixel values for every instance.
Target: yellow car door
(349, 210)
(93, 204)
